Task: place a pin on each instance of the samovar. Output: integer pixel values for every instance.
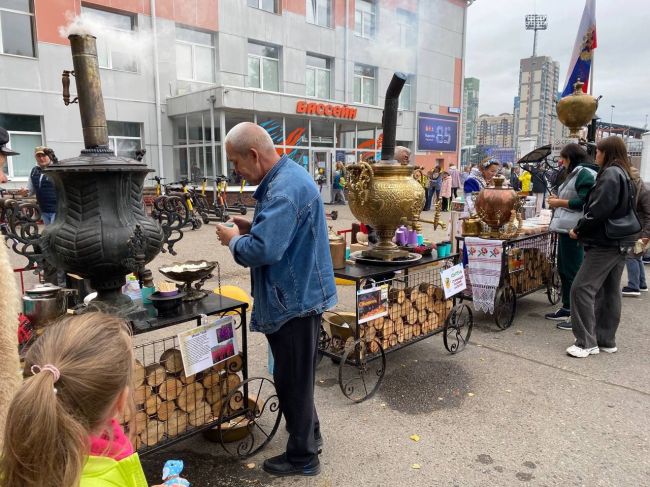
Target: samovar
(577, 109)
(497, 207)
(385, 193)
(101, 231)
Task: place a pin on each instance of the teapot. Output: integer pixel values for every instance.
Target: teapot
(337, 249)
(44, 303)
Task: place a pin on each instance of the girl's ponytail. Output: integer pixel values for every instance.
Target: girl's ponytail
(79, 367)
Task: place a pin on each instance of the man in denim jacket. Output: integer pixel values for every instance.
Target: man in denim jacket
(287, 249)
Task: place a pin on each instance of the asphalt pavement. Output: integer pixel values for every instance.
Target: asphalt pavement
(511, 409)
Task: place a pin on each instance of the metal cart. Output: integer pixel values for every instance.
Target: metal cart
(528, 265)
(240, 412)
(417, 309)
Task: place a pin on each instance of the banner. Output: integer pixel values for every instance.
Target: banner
(437, 132)
(580, 63)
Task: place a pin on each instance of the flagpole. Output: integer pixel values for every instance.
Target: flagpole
(591, 73)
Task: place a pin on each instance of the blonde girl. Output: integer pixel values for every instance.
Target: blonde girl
(61, 429)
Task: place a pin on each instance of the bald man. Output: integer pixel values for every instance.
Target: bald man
(402, 155)
(287, 249)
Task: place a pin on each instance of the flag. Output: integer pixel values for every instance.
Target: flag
(582, 56)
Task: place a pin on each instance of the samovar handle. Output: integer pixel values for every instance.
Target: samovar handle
(65, 80)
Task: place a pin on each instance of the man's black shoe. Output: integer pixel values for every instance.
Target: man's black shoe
(280, 466)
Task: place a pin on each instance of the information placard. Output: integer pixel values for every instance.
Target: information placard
(372, 303)
(207, 345)
(453, 280)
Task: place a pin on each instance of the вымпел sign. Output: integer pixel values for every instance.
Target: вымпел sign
(326, 110)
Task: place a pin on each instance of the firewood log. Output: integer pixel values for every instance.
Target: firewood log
(392, 340)
(422, 315)
(141, 394)
(156, 374)
(165, 409)
(170, 389)
(370, 333)
(408, 332)
(235, 363)
(373, 346)
(412, 316)
(190, 396)
(229, 384)
(427, 288)
(394, 311)
(379, 324)
(153, 432)
(216, 408)
(412, 293)
(211, 379)
(152, 404)
(140, 421)
(396, 295)
(138, 374)
(172, 360)
(201, 415)
(438, 294)
(404, 308)
(186, 379)
(176, 423)
(417, 330)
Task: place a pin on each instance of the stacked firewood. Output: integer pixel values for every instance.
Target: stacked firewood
(533, 274)
(412, 312)
(168, 402)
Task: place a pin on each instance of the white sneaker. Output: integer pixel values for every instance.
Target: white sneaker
(576, 351)
(608, 350)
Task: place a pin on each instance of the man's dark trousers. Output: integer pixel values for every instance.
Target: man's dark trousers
(295, 348)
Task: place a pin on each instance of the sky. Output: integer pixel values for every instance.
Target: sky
(497, 40)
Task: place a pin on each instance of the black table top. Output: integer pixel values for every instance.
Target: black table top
(357, 272)
(212, 304)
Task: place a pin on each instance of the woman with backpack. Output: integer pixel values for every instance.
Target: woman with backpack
(607, 231)
(568, 204)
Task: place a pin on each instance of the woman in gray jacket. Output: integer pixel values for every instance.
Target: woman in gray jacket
(569, 202)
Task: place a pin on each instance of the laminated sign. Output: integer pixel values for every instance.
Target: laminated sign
(207, 345)
(453, 280)
(372, 303)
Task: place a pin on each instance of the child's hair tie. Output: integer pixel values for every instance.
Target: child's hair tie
(47, 367)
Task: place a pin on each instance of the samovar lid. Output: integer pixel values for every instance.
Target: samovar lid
(43, 289)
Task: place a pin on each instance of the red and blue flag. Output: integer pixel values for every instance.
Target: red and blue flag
(582, 57)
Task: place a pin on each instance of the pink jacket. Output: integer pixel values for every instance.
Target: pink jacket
(445, 191)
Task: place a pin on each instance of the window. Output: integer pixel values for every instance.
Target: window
(364, 84)
(319, 12)
(268, 5)
(263, 67)
(406, 28)
(405, 96)
(194, 55)
(365, 18)
(317, 82)
(114, 39)
(24, 135)
(124, 138)
(17, 27)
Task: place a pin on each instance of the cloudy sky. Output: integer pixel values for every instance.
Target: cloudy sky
(497, 40)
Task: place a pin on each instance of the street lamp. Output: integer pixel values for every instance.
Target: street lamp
(611, 119)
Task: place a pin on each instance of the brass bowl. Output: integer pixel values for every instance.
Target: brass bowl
(188, 275)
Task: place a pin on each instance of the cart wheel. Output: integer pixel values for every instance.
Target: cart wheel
(554, 287)
(505, 305)
(458, 328)
(243, 210)
(335, 214)
(359, 379)
(252, 422)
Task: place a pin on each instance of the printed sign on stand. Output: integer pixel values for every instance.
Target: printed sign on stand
(207, 345)
(372, 303)
(453, 280)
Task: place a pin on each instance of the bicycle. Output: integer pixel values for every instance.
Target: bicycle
(239, 204)
(220, 206)
(184, 193)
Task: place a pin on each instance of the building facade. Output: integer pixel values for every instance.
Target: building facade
(538, 82)
(470, 110)
(495, 130)
(178, 74)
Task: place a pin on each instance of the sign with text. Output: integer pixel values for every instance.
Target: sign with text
(326, 110)
(207, 345)
(437, 132)
(372, 303)
(453, 280)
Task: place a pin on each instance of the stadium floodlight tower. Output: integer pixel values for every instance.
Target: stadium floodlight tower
(536, 22)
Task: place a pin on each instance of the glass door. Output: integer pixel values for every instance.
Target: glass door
(322, 172)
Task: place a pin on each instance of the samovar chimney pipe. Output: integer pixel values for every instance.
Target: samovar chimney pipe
(89, 90)
(389, 120)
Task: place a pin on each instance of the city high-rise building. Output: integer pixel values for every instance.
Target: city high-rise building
(470, 110)
(177, 75)
(495, 130)
(538, 84)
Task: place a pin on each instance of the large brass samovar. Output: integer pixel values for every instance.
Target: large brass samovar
(385, 193)
(577, 109)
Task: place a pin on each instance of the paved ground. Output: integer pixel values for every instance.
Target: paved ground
(512, 409)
